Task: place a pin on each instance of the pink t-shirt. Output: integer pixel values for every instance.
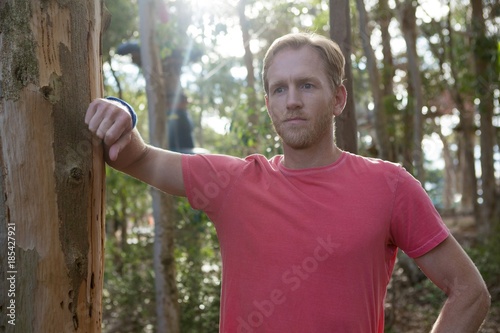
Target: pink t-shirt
(309, 250)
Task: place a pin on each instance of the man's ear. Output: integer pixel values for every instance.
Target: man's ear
(266, 98)
(339, 100)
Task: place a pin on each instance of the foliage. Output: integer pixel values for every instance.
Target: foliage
(486, 256)
(126, 200)
(129, 293)
(198, 270)
(123, 23)
(128, 296)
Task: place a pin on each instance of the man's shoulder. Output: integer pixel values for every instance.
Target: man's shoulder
(234, 164)
(371, 164)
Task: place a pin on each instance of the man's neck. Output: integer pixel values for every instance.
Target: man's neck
(317, 156)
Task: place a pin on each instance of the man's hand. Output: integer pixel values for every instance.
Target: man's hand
(112, 123)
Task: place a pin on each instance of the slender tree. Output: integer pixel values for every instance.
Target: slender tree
(455, 91)
(51, 172)
(346, 132)
(407, 17)
(384, 16)
(253, 109)
(466, 142)
(167, 309)
(485, 52)
(375, 83)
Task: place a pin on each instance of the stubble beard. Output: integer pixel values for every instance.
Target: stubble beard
(304, 136)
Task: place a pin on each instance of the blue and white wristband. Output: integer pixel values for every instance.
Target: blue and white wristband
(128, 106)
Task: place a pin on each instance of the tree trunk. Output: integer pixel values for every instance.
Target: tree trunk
(375, 84)
(346, 132)
(384, 18)
(167, 309)
(449, 172)
(484, 50)
(253, 109)
(384, 15)
(467, 161)
(409, 28)
(408, 142)
(52, 175)
(466, 141)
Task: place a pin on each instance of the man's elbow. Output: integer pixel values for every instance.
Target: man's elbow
(485, 297)
(481, 299)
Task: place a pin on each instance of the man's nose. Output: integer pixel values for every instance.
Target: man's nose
(293, 99)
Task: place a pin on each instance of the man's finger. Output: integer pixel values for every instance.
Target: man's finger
(115, 128)
(97, 118)
(92, 109)
(103, 132)
(118, 146)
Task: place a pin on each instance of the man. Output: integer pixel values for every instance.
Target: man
(308, 239)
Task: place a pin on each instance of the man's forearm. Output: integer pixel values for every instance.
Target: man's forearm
(463, 311)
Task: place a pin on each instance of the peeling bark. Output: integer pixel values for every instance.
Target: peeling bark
(52, 174)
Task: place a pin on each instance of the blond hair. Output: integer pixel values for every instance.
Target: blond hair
(327, 49)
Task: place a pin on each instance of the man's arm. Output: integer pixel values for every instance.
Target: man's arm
(451, 269)
(125, 150)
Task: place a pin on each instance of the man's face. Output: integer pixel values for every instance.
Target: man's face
(301, 101)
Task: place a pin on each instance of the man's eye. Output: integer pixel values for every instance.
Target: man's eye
(307, 86)
(279, 90)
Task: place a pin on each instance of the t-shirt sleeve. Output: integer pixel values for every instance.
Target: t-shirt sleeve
(416, 226)
(208, 179)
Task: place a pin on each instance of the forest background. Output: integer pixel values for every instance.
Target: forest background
(424, 74)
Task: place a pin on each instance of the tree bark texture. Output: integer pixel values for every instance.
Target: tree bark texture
(51, 171)
(346, 131)
(384, 17)
(409, 28)
(375, 84)
(167, 308)
(466, 178)
(484, 48)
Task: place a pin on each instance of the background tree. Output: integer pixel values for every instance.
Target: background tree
(375, 84)
(407, 10)
(467, 127)
(340, 31)
(485, 59)
(51, 184)
(253, 109)
(167, 309)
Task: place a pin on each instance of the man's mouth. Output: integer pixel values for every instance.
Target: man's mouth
(294, 120)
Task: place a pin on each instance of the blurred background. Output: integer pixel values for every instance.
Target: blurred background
(425, 93)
